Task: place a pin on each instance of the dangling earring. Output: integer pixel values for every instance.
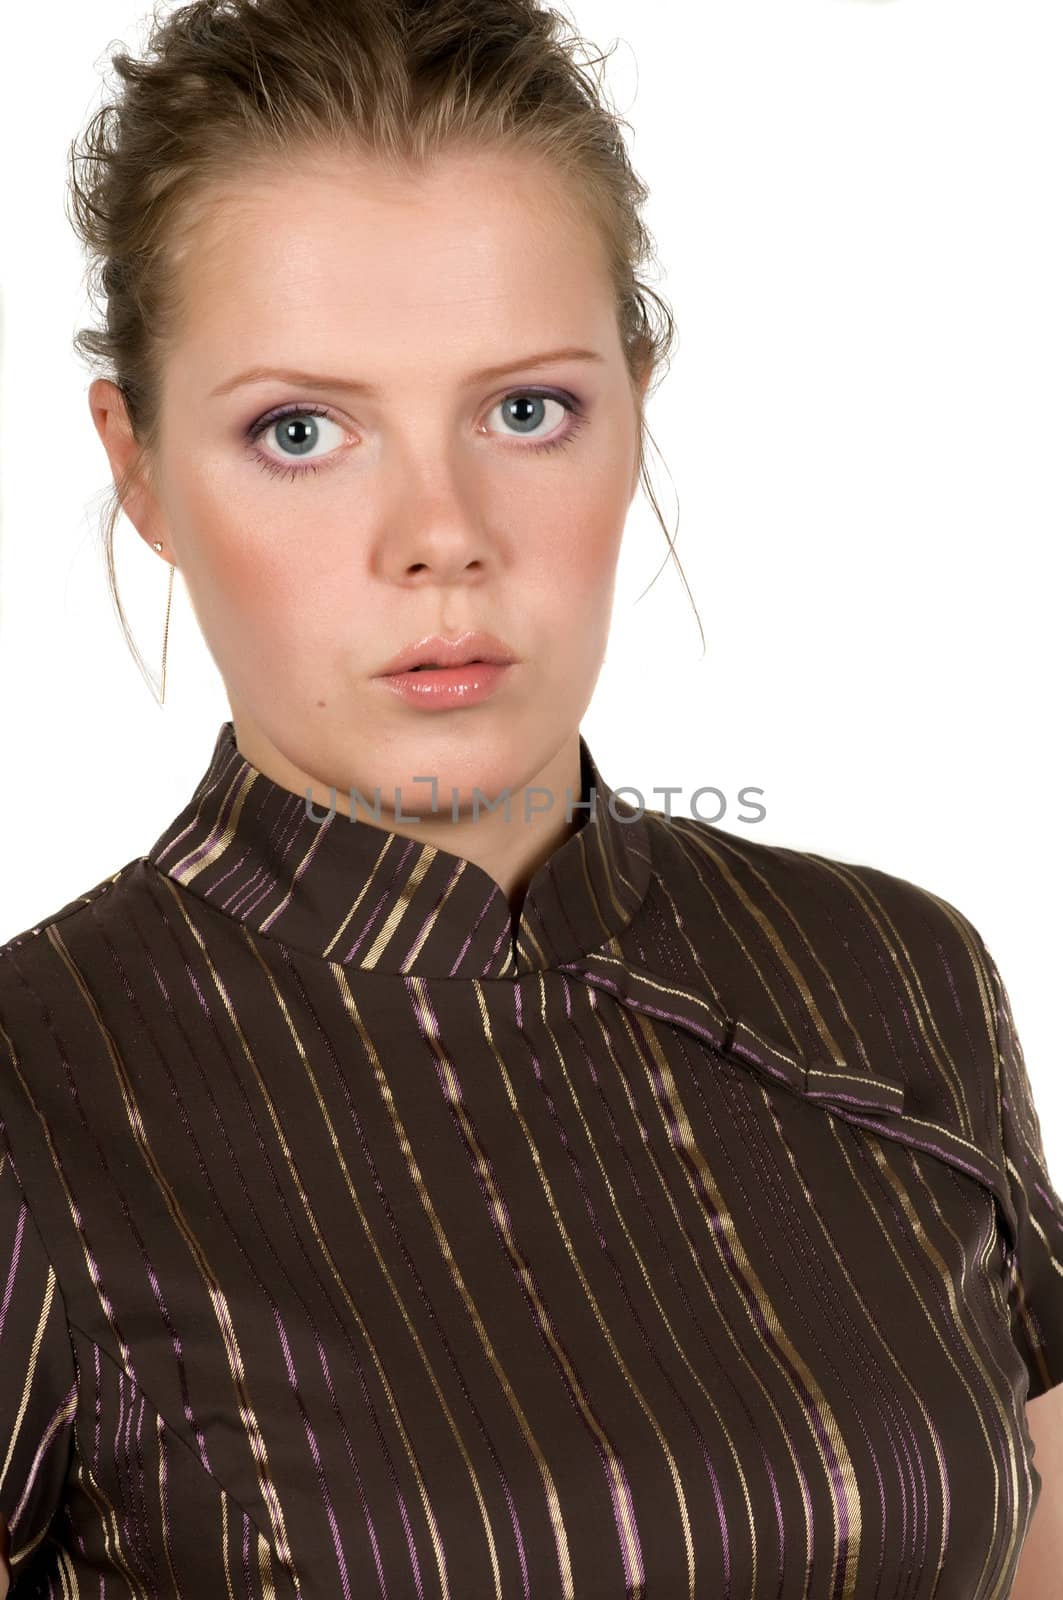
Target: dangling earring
(157, 545)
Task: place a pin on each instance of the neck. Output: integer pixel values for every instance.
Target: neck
(471, 820)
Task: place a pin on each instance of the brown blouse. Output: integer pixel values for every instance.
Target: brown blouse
(691, 1238)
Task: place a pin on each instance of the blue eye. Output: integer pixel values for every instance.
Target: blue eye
(298, 433)
(520, 399)
(297, 430)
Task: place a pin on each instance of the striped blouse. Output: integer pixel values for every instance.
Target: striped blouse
(688, 1235)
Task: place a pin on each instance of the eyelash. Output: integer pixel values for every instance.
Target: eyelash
(275, 469)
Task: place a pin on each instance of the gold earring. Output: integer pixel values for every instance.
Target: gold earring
(157, 545)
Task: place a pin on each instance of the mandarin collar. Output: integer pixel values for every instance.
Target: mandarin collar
(361, 895)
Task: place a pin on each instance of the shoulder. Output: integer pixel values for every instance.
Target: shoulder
(88, 898)
(784, 883)
(34, 951)
(62, 981)
(849, 955)
(50, 970)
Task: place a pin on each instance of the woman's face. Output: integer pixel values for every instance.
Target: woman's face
(317, 545)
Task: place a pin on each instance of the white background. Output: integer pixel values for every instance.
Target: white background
(857, 214)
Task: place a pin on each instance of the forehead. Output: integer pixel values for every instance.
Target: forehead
(339, 261)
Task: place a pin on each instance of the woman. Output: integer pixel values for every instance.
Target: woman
(423, 1202)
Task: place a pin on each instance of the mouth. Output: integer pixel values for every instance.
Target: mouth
(438, 654)
(437, 666)
(435, 686)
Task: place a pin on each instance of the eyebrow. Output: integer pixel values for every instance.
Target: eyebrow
(318, 380)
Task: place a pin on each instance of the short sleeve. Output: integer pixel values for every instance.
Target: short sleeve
(1035, 1265)
(38, 1378)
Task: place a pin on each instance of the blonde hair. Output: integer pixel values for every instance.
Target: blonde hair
(224, 87)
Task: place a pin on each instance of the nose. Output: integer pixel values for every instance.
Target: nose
(449, 549)
(438, 518)
(445, 566)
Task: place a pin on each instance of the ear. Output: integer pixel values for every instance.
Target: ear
(111, 418)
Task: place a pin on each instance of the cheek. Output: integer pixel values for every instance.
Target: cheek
(256, 590)
(574, 582)
(572, 539)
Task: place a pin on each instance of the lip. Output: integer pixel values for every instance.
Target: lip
(468, 648)
(448, 688)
